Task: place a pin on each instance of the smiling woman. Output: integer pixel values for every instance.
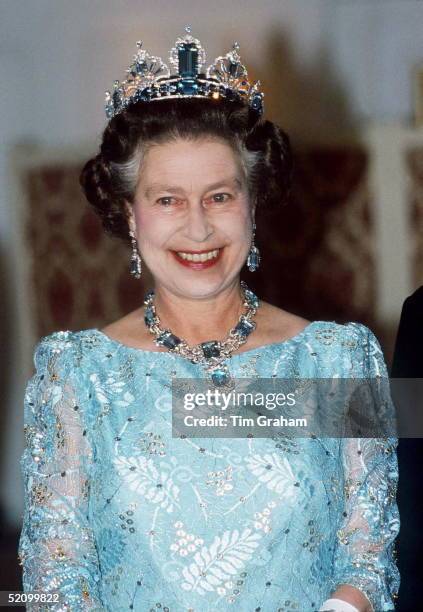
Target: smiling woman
(181, 180)
(120, 513)
(198, 226)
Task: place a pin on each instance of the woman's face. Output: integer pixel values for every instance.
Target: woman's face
(192, 198)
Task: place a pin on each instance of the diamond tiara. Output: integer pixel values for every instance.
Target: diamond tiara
(149, 78)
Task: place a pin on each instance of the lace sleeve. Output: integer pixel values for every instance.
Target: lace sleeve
(365, 555)
(56, 545)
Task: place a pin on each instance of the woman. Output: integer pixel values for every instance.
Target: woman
(119, 514)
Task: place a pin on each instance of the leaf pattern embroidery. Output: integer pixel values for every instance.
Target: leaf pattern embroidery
(142, 476)
(274, 471)
(111, 388)
(225, 557)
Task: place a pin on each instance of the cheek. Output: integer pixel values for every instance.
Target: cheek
(141, 217)
(151, 228)
(238, 228)
(235, 221)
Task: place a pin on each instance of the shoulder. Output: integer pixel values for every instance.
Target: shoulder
(416, 297)
(352, 335)
(63, 364)
(281, 324)
(355, 333)
(62, 349)
(413, 305)
(353, 346)
(55, 344)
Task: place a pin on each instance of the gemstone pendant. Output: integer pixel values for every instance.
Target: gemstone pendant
(253, 260)
(220, 377)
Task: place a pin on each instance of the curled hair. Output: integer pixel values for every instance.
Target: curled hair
(111, 176)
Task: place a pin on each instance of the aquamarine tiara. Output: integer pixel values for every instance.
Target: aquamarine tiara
(149, 78)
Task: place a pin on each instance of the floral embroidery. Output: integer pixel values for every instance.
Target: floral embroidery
(221, 480)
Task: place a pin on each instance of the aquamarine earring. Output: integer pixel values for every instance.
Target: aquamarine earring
(253, 260)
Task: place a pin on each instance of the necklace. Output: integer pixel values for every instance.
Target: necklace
(210, 354)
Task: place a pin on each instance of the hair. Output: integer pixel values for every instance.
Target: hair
(110, 178)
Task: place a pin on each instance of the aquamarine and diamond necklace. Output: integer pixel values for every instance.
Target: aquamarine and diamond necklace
(210, 354)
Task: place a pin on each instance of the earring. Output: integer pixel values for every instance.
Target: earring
(135, 265)
(254, 258)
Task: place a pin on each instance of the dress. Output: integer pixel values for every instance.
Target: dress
(121, 516)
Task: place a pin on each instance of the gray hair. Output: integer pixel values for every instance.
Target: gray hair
(126, 174)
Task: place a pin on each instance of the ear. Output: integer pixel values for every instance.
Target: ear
(130, 216)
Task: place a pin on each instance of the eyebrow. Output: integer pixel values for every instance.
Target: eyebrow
(154, 187)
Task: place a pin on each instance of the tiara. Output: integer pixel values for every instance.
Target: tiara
(149, 78)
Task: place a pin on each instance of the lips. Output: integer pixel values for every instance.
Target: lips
(197, 265)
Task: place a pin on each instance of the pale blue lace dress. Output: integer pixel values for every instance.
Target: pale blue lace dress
(120, 516)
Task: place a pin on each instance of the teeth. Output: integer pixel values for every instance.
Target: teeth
(199, 257)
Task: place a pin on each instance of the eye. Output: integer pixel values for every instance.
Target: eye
(221, 197)
(165, 201)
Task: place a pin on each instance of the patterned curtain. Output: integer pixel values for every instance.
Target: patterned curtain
(80, 275)
(318, 258)
(415, 195)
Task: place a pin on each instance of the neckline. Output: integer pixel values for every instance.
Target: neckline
(141, 351)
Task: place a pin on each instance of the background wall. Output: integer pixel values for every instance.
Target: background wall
(330, 66)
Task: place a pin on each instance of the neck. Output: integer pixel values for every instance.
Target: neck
(200, 319)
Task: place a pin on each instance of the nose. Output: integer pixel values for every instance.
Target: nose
(198, 227)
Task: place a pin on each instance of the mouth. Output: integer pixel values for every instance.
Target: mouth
(198, 260)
